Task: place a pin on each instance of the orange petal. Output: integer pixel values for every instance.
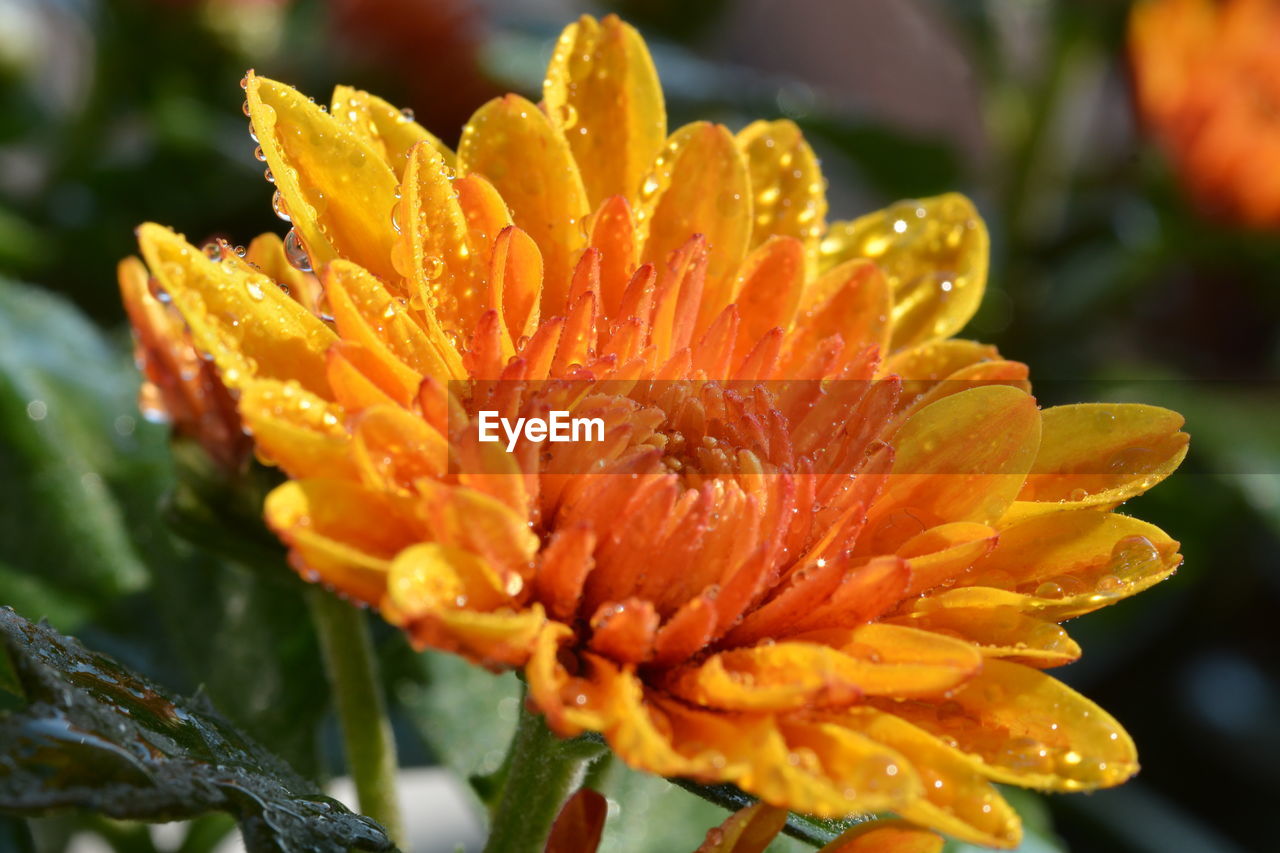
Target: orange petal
(851, 300)
(790, 192)
(933, 253)
(897, 661)
(747, 830)
(515, 281)
(384, 127)
(340, 533)
(249, 326)
(602, 93)
(624, 631)
(1100, 454)
(513, 144)
(296, 430)
(337, 189)
(963, 458)
(769, 287)
(472, 520)
(1022, 727)
(612, 231)
(578, 827)
(924, 365)
(885, 836)
(700, 186)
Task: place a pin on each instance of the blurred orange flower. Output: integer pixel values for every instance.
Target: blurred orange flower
(823, 548)
(1207, 80)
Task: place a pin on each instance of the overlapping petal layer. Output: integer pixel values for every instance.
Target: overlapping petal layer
(821, 547)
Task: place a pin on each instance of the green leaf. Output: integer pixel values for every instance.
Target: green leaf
(68, 425)
(96, 736)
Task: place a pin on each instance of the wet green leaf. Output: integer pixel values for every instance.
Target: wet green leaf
(69, 427)
(96, 736)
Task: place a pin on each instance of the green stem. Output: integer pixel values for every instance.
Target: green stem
(542, 772)
(366, 732)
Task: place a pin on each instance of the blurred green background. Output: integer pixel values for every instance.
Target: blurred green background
(1104, 279)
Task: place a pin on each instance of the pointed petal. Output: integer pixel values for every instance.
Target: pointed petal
(790, 192)
(240, 317)
(700, 185)
(338, 190)
(513, 144)
(602, 93)
(998, 631)
(933, 253)
(612, 231)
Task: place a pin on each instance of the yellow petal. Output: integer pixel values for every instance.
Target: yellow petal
(240, 317)
(337, 189)
(1100, 454)
(958, 799)
(387, 129)
(367, 314)
(497, 639)
(790, 194)
(1075, 562)
(430, 577)
(699, 185)
(602, 92)
(513, 144)
(1025, 728)
(963, 458)
(266, 252)
(934, 255)
(1001, 631)
(394, 449)
(297, 430)
(341, 533)
(515, 282)
(747, 830)
(445, 263)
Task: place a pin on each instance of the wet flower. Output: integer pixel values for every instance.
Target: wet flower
(1207, 81)
(824, 547)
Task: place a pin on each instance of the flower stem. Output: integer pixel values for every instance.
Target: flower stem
(542, 772)
(366, 732)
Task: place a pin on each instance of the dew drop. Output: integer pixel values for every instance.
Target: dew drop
(295, 252)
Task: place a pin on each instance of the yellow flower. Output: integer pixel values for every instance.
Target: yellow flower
(824, 546)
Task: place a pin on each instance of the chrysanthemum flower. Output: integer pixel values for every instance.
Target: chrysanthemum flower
(1207, 80)
(824, 547)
